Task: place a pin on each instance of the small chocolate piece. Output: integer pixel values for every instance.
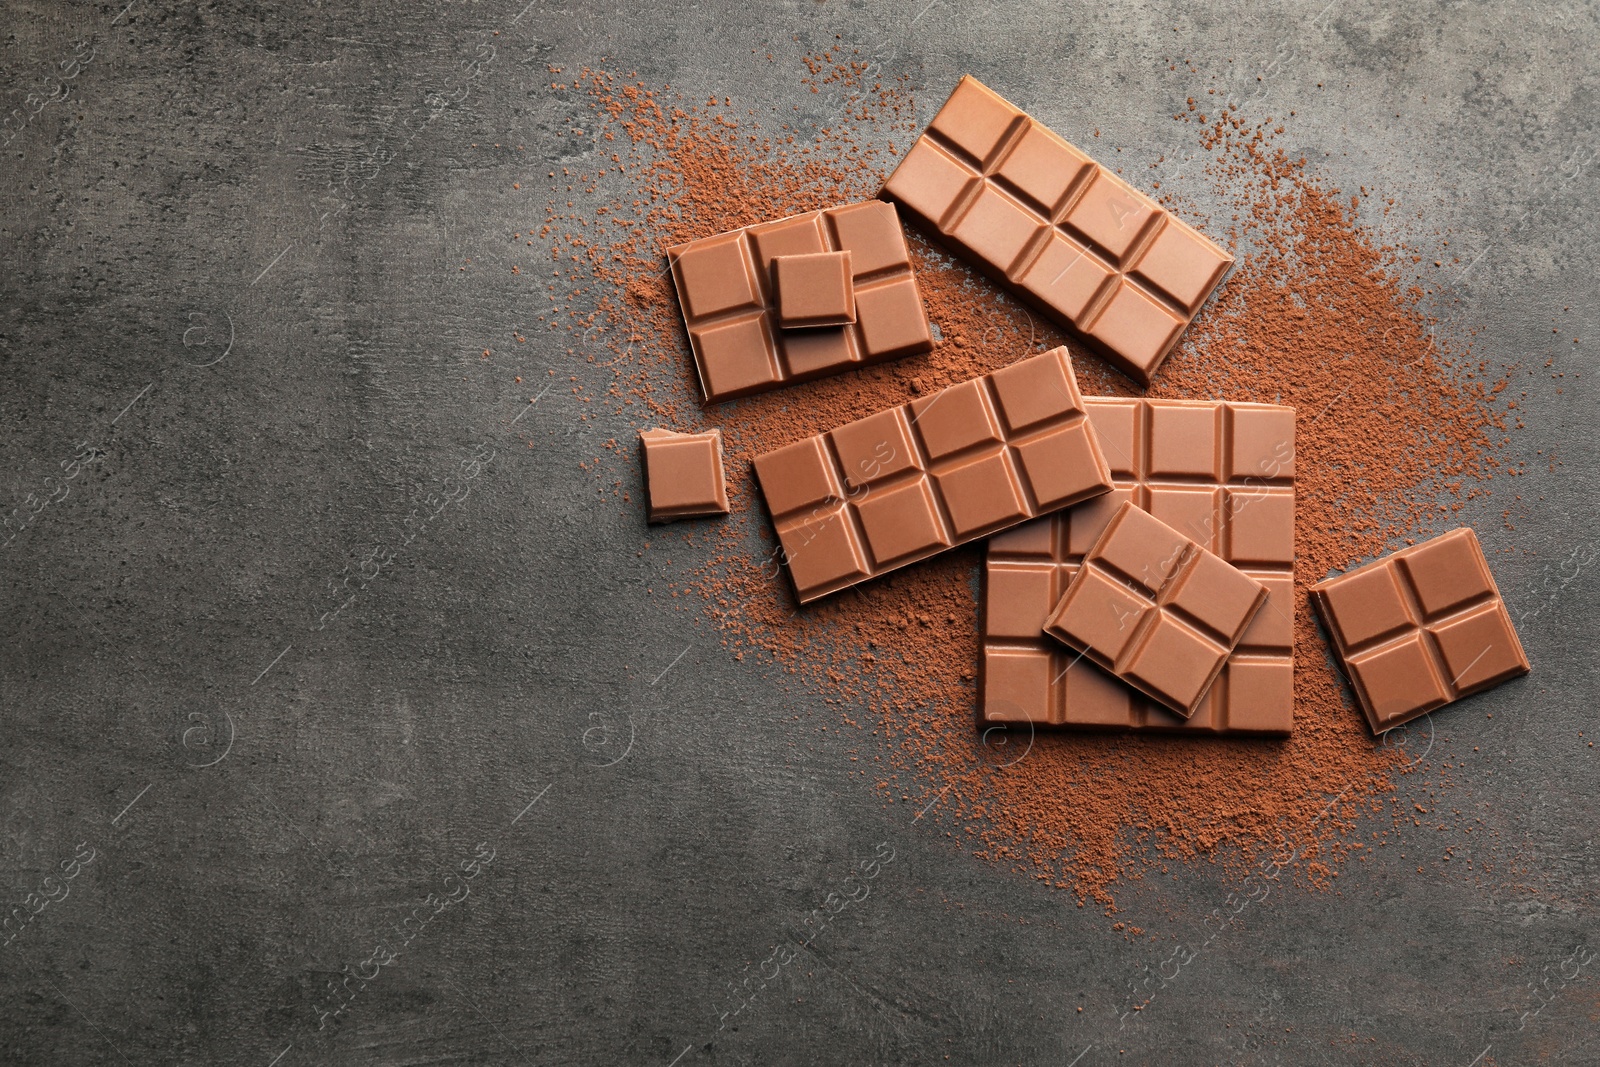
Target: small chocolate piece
(1222, 473)
(683, 474)
(726, 293)
(912, 481)
(814, 290)
(1058, 229)
(1420, 629)
(1156, 609)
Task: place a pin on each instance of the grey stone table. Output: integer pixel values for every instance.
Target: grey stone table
(223, 384)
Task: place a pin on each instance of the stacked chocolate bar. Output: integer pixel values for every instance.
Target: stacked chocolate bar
(1140, 571)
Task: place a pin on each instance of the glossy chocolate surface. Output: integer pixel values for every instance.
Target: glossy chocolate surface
(683, 474)
(814, 290)
(1154, 608)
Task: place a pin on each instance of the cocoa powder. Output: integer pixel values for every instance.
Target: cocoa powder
(1316, 314)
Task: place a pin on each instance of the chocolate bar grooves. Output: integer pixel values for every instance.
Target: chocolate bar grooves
(1055, 221)
(1165, 600)
(923, 466)
(1174, 652)
(983, 167)
(917, 473)
(1399, 634)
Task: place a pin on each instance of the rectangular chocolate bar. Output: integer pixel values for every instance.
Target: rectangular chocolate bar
(1420, 629)
(912, 481)
(1220, 472)
(1062, 232)
(1155, 609)
(728, 298)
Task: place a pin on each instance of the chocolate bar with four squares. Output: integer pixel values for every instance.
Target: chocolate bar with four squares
(1155, 609)
(1420, 629)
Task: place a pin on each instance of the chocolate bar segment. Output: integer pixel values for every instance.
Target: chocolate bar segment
(729, 300)
(1420, 629)
(1154, 608)
(1221, 473)
(683, 474)
(912, 481)
(1062, 232)
(814, 290)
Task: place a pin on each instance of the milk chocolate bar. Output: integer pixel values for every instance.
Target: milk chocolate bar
(1420, 629)
(1155, 609)
(1220, 472)
(728, 299)
(912, 481)
(1059, 230)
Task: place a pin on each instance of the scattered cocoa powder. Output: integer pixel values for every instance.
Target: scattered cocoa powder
(1315, 314)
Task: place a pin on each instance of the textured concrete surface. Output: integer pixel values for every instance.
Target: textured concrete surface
(240, 378)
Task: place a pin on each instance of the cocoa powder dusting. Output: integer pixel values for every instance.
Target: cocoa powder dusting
(1315, 315)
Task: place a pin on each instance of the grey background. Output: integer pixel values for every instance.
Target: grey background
(193, 193)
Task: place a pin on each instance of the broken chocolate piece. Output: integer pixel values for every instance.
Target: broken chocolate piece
(814, 290)
(726, 291)
(683, 474)
(1154, 608)
(912, 481)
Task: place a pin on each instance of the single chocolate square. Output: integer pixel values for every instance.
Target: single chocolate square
(1058, 229)
(1420, 629)
(683, 474)
(814, 290)
(1156, 609)
(1221, 472)
(728, 295)
(909, 482)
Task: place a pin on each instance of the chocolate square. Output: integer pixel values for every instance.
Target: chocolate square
(683, 474)
(814, 290)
